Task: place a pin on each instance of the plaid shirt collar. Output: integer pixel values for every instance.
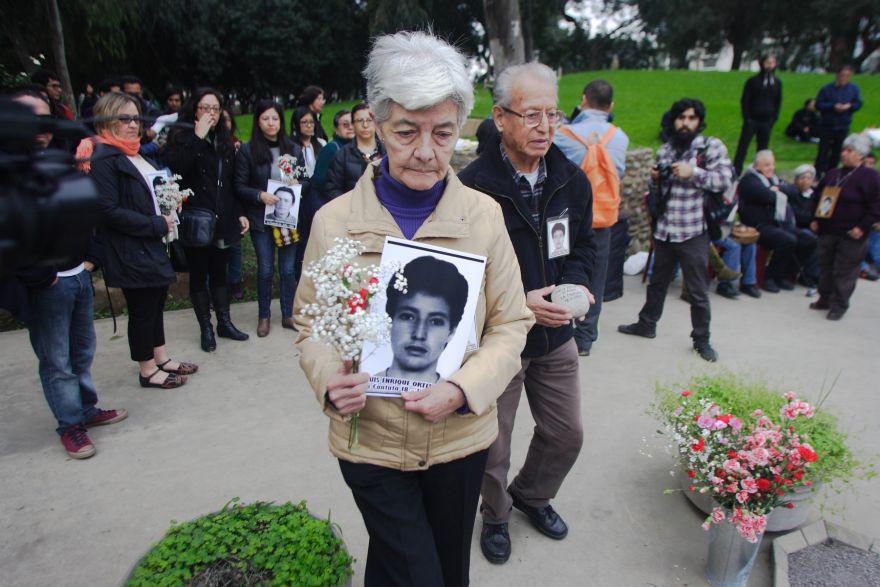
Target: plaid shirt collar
(518, 176)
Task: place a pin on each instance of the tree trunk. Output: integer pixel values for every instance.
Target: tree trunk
(504, 29)
(737, 57)
(59, 54)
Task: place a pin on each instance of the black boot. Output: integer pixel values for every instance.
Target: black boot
(225, 327)
(202, 307)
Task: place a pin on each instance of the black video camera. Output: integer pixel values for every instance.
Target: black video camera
(48, 209)
(665, 170)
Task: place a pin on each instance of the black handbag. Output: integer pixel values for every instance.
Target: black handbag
(197, 227)
(178, 257)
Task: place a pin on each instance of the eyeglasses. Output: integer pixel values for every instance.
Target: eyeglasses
(126, 119)
(214, 109)
(307, 122)
(363, 121)
(533, 118)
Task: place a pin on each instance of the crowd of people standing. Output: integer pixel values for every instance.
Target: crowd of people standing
(538, 203)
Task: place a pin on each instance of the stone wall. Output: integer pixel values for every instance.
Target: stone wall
(632, 190)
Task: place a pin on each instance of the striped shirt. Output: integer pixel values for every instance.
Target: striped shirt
(531, 195)
(684, 218)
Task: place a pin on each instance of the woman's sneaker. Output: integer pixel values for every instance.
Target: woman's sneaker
(77, 443)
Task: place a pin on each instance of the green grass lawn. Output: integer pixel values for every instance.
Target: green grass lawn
(641, 98)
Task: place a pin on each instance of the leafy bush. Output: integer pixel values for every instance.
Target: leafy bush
(741, 396)
(255, 544)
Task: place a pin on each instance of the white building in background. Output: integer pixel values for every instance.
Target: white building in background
(701, 60)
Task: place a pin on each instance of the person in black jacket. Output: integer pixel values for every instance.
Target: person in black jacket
(763, 205)
(538, 190)
(760, 103)
(132, 229)
(804, 125)
(254, 167)
(800, 194)
(204, 158)
(351, 160)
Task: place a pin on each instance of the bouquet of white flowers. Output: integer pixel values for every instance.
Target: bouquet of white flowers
(170, 198)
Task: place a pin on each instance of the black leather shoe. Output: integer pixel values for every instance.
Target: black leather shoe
(835, 314)
(726, 289)
(820, 304)
(545, 519)
(637, 329)
(750, 290)
(770, 285)
(785, 284)
(705, 350)
(495, 543)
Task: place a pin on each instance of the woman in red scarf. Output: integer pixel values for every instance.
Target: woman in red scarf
(132, 231)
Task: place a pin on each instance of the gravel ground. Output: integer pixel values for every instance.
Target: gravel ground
(833, 564)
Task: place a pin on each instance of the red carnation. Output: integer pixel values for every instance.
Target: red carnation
(807, 454)
(699, 445)
(724, 418)
(691, 474)
(789, 505)
(731, 454)
(686, 393)
(763, 484)
(374, 280)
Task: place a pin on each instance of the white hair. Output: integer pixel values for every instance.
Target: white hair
(763, 153)
(507, 80)
(858, 143)
(804, 169)
(417, 71)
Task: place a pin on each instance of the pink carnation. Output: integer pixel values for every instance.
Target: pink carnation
(718, 515)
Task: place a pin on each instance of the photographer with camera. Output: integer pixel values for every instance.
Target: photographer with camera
(132, 229)
(59, 316)
(690, 168)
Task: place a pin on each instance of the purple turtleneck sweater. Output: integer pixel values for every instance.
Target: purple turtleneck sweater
(410, 208)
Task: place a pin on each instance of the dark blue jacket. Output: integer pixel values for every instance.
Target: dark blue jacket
(832, 94)
(566, 188)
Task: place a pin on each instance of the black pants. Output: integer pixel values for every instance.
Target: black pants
(750, 128)
(420, 522)
(207, 263)
(791, 248)
(693, 256)
(839, 261)
(146, 329)
(830, 142)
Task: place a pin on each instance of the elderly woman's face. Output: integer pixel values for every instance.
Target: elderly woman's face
(766, 166)
(419, 143)
(128, 128)
(850, 157)
(804, 181)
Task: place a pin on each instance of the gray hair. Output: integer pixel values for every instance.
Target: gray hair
(858, 143)
(763, 153)
(506, 80)
(417, 71)
(804, 169)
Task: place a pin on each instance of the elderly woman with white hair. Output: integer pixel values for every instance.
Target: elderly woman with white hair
(847, 208)
(800, 200)
(416, 473)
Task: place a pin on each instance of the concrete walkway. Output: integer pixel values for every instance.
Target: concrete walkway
(247, 425)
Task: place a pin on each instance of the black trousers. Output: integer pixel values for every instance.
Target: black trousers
(207, 263)
(420, 522)
(750, 128)
(693, 256)
(830, 142)
(839, 260)
(146, 328)
(791, 248)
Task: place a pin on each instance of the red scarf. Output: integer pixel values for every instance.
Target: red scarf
(87, 147)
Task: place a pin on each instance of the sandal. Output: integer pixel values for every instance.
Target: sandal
(171, 381)
(182, 369)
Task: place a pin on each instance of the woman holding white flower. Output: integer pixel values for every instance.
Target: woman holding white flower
(255, 165)
(416, 472)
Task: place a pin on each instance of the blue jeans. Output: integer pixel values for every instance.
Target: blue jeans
(873, 250)
(264, 246)
(736, 255)
(63, 337)
(587, 332)
(233, 274)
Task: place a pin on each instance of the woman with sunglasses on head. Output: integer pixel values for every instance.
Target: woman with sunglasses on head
(203, 155)
(351, 160)
(131, 228)
(312, 97)
(254, 167)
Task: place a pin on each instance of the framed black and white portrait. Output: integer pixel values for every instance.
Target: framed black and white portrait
(432, 321)
(285, 212)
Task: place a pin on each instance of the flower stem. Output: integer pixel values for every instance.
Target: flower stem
(353, 426)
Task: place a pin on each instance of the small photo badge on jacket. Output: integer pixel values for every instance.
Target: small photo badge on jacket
(827, 201)
(557, 236)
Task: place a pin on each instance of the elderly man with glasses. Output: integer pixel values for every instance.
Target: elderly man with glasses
(538, 190)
